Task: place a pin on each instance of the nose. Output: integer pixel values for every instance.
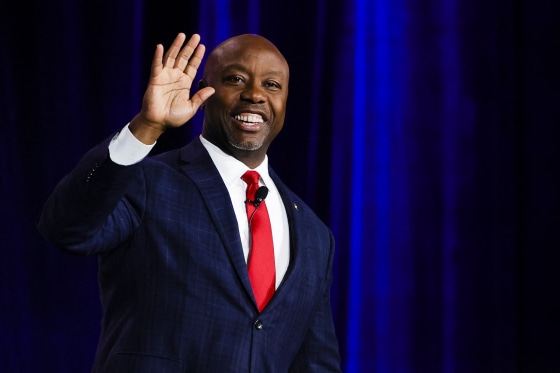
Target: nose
(253, 93)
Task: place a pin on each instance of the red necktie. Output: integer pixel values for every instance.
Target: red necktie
(262, 273)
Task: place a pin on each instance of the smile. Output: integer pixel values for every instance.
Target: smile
(249, 118)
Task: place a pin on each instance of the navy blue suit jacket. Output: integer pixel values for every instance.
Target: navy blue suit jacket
(174, 286)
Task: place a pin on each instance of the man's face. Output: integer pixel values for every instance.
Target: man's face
(248, 108)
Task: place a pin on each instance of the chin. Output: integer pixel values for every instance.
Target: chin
(247, 145)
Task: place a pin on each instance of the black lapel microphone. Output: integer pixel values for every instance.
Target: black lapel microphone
(260, 195)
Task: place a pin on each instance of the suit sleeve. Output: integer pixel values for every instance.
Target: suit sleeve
(87, 212)
(319, 351)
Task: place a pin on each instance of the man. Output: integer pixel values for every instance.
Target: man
(176, 234)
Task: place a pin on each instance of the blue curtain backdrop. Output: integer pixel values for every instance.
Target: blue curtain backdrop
(425, 133)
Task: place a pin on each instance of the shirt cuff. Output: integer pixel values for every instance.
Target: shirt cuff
(125, 149)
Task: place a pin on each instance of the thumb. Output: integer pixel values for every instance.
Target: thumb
(201, 96)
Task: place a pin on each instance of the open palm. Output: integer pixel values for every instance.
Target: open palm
(167, 101)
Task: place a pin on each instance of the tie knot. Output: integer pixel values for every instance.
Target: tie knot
(251, 177)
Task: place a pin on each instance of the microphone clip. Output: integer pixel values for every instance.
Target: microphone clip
(260, 196)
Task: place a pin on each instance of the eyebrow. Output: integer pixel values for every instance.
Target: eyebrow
(236, 66)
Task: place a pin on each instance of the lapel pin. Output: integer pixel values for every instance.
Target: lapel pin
(296, 206)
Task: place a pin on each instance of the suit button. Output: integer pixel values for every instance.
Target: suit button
(258, 325)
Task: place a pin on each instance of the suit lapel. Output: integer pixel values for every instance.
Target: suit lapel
(197, 164)
(295, 219)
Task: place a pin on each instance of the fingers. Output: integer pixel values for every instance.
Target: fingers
(156, 61)
(194, 61)
(181, 58)
(173, 51)
(186, 59)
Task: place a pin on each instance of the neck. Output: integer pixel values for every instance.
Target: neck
(251, 158)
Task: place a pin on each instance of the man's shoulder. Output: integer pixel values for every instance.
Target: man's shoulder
(294, 202)
(188, 153)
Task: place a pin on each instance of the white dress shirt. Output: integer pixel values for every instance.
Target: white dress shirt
(125, 149)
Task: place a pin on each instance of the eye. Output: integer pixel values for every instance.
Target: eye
(272, 84)
(234, 79)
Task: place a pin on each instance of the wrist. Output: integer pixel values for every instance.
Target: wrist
(145, 131)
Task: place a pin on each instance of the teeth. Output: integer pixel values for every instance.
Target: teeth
(253, 118)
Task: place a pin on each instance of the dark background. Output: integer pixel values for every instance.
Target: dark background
(425, 133)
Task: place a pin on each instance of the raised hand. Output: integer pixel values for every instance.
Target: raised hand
(167, 101)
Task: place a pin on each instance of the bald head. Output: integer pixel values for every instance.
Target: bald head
(248, 45)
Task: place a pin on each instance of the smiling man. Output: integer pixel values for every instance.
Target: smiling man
(207, 261)
(248, 109)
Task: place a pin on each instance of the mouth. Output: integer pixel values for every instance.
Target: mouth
(250, 121)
